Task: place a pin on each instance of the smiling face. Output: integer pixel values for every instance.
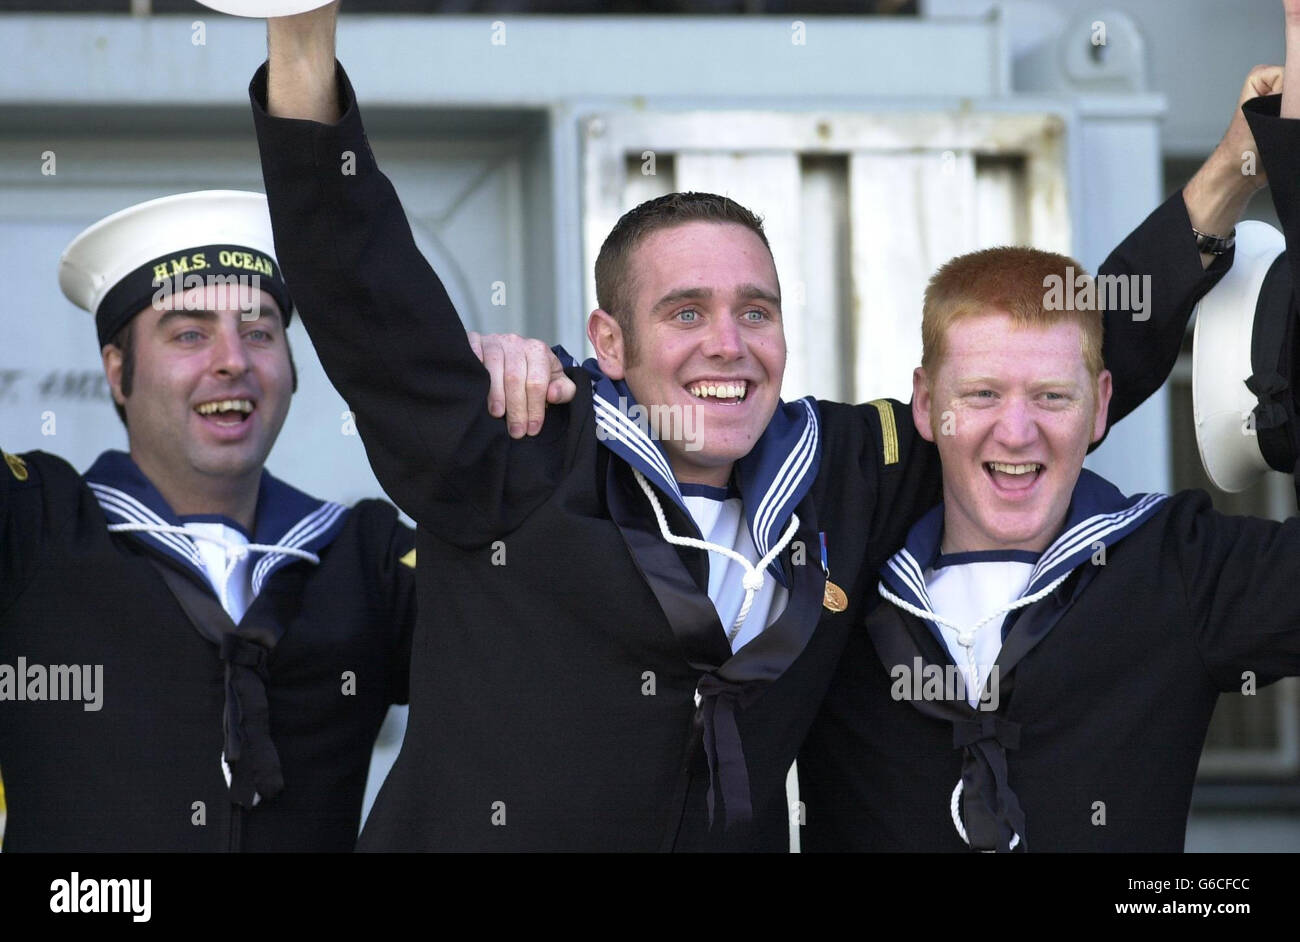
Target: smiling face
(210, 389)
(1013, 410)
(708, 339)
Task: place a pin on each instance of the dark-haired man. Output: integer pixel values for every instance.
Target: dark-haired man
(662, 557)
(194, 655)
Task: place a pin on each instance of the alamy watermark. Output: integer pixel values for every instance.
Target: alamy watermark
(1083, 292)
(232, 292)
(82, 683)
(940, 682)
(663, 423)
(79, 894)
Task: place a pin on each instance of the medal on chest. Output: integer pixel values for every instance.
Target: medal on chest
(833, 598)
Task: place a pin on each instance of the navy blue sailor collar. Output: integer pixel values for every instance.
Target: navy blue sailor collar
(285, 517)
(1099, 515)
(772, 479)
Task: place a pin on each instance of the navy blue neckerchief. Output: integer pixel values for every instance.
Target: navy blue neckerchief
(773, 481)
(284, 517)
(1099, 516)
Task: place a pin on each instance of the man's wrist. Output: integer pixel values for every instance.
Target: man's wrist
(1235, 175)
(1214, 244)
(1217, 196)
(301, 45)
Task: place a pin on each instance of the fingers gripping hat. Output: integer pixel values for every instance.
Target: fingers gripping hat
(263, 8)
(123, 263)
(1243, 362)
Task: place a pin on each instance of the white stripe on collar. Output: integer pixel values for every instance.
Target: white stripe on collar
(299, 535)
(786, 481)
(1087, 532)
(765, 511)
(904, 564)
(123, 505)
(621, 428)
(120, 504)
(1064, 555)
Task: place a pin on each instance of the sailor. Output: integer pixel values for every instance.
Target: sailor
(238, 642)
(1093, 631)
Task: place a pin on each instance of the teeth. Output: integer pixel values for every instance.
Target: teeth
(720, 390)
(225, 405)
(1013, 468)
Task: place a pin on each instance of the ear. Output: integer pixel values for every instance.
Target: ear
(606, 338)
(921, 403)
(1103, 405)
(112, 357)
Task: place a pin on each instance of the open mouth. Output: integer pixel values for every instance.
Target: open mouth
(1014, 477)
(226, 412)
(722, 391)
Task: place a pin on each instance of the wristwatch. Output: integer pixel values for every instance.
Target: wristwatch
(1212, 244)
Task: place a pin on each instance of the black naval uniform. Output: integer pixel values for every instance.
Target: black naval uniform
(553, 704)
(128, 775)
(1107, 685)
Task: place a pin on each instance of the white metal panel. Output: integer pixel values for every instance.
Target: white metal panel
(1001, 210)
(649, 176)
(911, 213)
(769, 185)
(1120, 185)
(508, 59)
(826, 291)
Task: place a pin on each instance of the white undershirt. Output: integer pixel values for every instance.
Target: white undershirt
(966, 592)
(722, 521)
(236, 592)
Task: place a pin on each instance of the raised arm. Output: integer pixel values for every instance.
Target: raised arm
(300, 53)
(1240, 571)
(1275, 123)
(1217, 195)
(386, 331)
(1161, 262)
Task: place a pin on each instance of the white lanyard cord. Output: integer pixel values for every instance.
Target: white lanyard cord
(955, 808)
(234, 551)
(754, 578)
(966, 637)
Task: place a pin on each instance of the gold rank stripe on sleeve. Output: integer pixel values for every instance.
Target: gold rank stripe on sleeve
(888, 430)
(16, 465)
(408, 559)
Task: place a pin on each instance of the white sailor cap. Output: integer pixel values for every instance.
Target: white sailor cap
(263, 8)
(115, 268)
(1243, 356)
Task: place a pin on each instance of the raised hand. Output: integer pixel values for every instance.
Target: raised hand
(1217, 195)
